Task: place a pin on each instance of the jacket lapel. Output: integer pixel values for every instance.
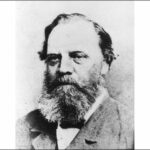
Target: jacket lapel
(101, 130)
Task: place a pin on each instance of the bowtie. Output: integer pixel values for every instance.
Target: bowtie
(66, 124)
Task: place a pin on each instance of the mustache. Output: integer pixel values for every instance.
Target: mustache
(66, 80)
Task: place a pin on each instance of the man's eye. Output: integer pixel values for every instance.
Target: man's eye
(52, 61)
(78, 58)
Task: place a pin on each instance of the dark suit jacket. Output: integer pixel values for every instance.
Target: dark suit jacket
(109, 127)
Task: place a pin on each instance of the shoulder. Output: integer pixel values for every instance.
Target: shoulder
(29, 127)
(29, 121)
(126, 121)
(23, 140)
(125, 114)
(117, 121)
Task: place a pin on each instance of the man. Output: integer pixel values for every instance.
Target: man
(75, 110)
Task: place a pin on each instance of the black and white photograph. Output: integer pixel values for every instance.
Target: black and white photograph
(75, 75)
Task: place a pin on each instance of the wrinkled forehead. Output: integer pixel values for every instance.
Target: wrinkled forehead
(73, 35)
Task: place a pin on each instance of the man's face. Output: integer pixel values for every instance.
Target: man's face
(73, 48)
(73, 68)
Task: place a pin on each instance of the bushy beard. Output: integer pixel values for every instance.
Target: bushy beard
(65, 100)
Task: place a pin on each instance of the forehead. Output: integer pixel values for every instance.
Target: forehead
(79, 35)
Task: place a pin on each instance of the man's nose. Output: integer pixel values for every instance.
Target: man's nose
(65, 66)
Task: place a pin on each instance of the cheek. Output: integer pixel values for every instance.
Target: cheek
(88, 73)
(94, 73)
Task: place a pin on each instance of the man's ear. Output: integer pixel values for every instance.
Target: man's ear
(104, 68)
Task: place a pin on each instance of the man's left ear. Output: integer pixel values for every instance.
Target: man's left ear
(104, 68)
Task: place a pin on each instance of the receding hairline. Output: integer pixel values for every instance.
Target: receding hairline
(67, 18)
